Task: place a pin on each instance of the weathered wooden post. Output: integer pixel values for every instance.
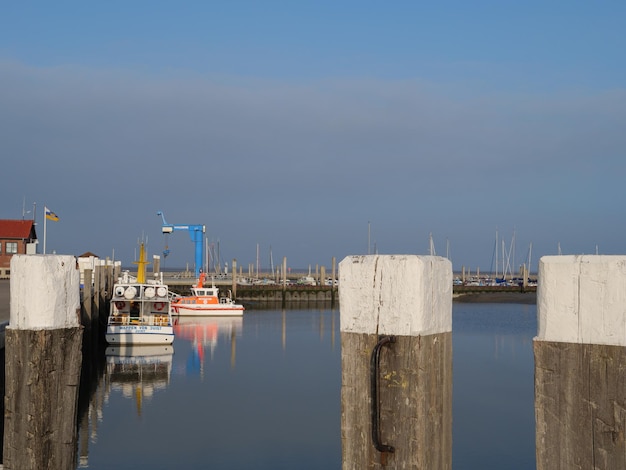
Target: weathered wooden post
(396, 337)
(234, 274)
(87, 302)
(43, 360)
(156, 264)
(580, 363)
(100, 297)
(334, 289)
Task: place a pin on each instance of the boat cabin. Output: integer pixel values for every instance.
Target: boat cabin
(205, 292)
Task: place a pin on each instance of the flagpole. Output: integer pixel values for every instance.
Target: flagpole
(45, 223)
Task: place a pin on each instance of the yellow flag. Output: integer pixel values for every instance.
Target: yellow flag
(51, 215)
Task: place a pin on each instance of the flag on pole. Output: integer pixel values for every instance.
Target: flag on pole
(51, 215)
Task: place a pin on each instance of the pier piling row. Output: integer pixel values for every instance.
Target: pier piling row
(43, 362)
(580, 363)
(396, 361)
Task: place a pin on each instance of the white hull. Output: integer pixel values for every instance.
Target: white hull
(205, 302)
(192, 310)
(140, 309)
(134, 334)
(125, 352)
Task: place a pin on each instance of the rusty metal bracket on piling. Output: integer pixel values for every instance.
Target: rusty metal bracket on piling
(374, 376)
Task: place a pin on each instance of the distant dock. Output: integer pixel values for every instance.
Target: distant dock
(302, 293)
(292, 293)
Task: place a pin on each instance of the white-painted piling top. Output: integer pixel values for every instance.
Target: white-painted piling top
(45, 292)
(406, 295)
(582, 299)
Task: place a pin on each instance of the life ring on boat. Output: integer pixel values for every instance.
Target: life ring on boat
(159, 306)
(120, 305)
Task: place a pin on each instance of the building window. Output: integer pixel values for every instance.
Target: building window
(11, 248)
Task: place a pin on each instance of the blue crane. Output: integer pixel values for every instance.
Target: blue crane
(196, 233)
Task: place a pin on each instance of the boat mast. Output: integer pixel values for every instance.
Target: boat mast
(257, 261)
(432, 245)
(218, 259)
(206, 255)
(496, 250)
(503, 261)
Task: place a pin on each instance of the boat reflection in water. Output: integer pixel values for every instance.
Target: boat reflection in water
(138, 371)
(203, 333)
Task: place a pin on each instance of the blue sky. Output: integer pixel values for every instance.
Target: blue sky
(309, 128)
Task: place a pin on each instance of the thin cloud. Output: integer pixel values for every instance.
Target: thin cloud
(409, 153)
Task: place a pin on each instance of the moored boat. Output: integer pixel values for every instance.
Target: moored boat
(140, 309)
(205, 301)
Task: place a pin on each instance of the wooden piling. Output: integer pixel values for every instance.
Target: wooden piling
(156, 264)
(100, 299)
(334, 289)
(580, 363)
(234, 274)
(396, 397)
(43, 360)
(87, 303)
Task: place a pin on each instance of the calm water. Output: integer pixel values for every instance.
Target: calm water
(263, 392)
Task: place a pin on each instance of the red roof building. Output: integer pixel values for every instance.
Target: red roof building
(16, 237)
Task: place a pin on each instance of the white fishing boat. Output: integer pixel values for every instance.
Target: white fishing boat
(140, 309)
(205, 301)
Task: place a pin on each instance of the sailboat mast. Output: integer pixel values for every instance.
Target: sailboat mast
(218, 259)
(496, 250)
(206, 255)
(257, 261)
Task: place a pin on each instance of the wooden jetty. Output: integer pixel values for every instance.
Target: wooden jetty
(54, 327)
(291, 293)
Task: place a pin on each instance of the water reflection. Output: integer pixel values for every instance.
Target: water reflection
(138, 371)
(264, 393)
(203, 333)
(493, 386)
(258, 392)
